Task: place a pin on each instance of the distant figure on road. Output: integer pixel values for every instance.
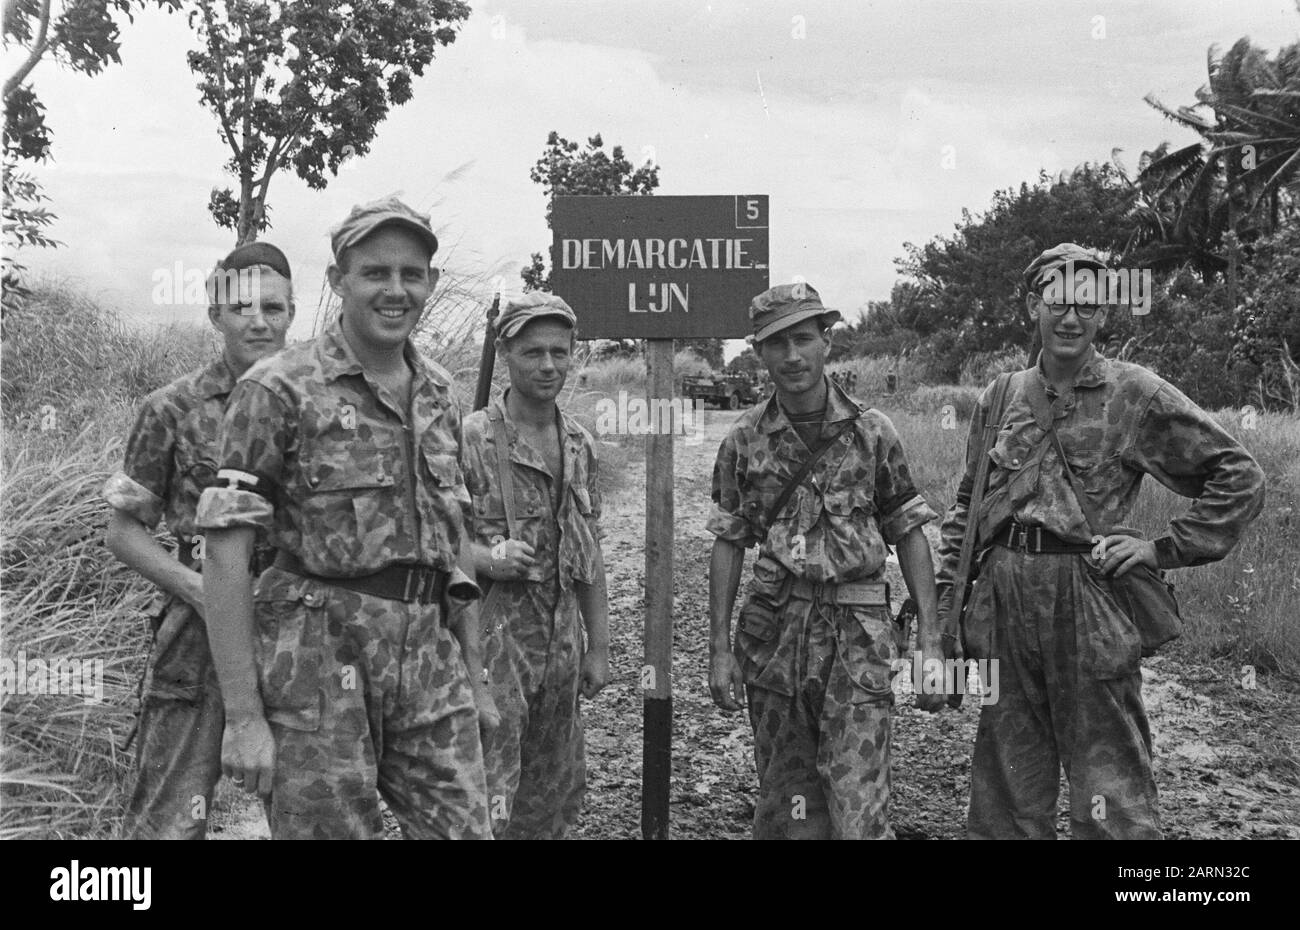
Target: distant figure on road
(170, 458)
(815, 641)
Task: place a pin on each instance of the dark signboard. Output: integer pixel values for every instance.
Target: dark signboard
(660, 267)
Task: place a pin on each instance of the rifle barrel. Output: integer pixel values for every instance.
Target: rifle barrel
(483, 389)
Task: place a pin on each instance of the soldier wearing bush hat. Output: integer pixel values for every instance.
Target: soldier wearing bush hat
(171, 456)
(353, 670)
(532, 475)
(815, 643)
(1074, 437)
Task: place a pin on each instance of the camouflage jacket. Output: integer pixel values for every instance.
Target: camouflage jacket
(171, 456)
(566, 541)
(1118, 423)
(835, 526)
(351, 481)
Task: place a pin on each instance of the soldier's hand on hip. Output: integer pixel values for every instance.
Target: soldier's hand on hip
(1124, 553)
(248, 754)
(726, 683)
(511, 560)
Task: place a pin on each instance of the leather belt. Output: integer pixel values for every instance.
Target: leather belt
(407, 583)
(849, 593)
(1037, 540)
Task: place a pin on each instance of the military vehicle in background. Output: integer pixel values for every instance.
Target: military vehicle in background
(731, 391)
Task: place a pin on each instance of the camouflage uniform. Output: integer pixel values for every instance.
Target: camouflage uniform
(533, 642)
(363, 694)
(817, 673)
(1068, 657)
(170, 459)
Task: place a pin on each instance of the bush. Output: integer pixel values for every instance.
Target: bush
(943, 399)
(63, 353)
(981, 368)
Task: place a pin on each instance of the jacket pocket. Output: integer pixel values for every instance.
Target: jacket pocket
(291, 654)
(867, 650)
(348, 498)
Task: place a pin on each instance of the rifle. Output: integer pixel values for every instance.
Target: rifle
(483, 389)
(951, 622)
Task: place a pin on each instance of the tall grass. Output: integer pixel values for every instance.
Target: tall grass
(72, 375)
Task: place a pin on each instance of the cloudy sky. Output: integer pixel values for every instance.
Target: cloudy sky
(868, 123)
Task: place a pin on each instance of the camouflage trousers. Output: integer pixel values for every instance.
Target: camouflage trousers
(178, 741)
(1070, 686)
(535, 760)
(817, 680)
(366, 697)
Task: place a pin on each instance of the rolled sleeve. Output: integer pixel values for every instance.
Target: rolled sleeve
(226, 508)
(913, 513)
(256, 434)
(726, 521)
(730, 527)
(141, 487)
(461, 587)
(900, 507)
(131, 497)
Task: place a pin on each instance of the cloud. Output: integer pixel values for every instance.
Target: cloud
(876, 128)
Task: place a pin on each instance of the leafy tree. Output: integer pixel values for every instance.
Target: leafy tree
(746, 363)
(1267, 331)
(81, 35)
(1240, 178)
(567, 168)
(964, 293)
(304, 84)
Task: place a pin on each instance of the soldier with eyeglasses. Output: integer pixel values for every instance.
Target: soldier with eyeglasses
(1068, 657)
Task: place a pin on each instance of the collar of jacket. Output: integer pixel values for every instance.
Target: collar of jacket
(338, 359)
(497, 411)
(217, 380)
(1094, 373)
(839, 407)
(1046, 405)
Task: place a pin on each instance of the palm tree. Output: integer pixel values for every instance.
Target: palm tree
(1239, 178)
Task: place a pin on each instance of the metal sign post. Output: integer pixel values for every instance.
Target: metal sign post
(659, 269)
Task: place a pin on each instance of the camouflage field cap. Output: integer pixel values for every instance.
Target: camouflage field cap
(787, 305)
(532, 306)
(1040, 269)
(367, 217)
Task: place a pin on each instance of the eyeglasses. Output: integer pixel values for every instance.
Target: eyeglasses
(1085, 311)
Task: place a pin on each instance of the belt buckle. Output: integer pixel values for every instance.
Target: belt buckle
(407, 584)
(1038, 539)
(1019, 537)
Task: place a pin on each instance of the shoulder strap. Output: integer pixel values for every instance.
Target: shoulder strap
(1085, 504)
(505, 478)
(505, 474)
(797, 478)
(992, 423)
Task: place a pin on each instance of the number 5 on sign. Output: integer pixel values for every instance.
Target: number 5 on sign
(751, 212)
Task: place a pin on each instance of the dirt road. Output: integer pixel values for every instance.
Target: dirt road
(1226, 755)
